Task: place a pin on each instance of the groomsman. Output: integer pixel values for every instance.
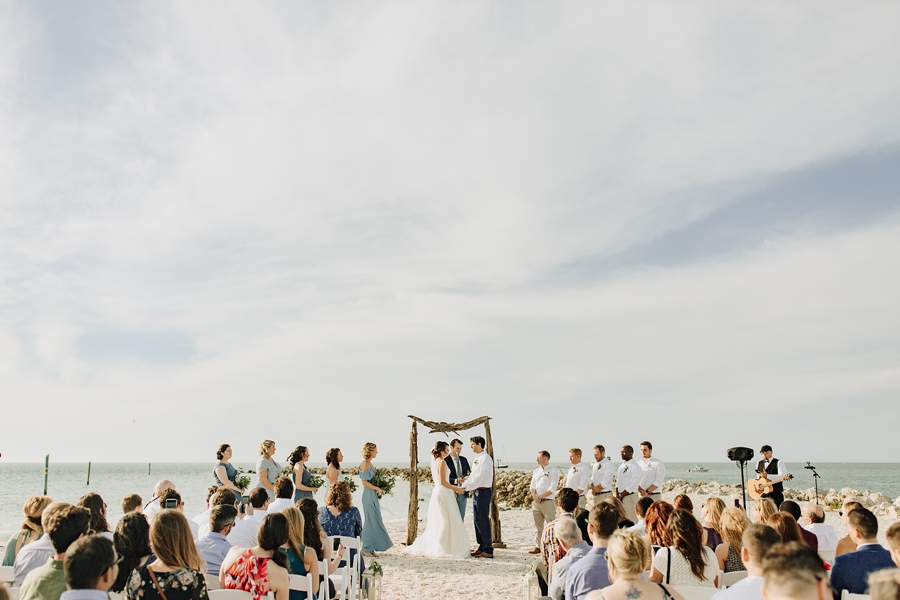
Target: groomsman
(628, 478)
(653, 472)
(459, 469)
(579, 476)
(601, 475)
(544, 481)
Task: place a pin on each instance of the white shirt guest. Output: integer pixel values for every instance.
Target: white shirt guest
(601, 472)
(653, 471)
(828, 537)
(244, 533)
(579, 476)
(152, 508)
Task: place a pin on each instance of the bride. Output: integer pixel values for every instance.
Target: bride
(444, 533)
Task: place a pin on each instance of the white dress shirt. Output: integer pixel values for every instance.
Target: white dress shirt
(545, 479)
(781, 468)
(640, 527)
(244, 532)
(828, 537)
(279, 504)
(748, 588)
(579, 477)
(602, 474)
(653, 473)
(628, 477)
(151, 509)
(31, 557)
(203, 518)
(482, 475)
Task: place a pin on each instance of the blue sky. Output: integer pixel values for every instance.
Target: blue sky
(597, 224)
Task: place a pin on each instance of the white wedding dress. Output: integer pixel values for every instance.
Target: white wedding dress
(444, 533)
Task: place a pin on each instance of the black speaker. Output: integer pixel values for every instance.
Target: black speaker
(740, 454)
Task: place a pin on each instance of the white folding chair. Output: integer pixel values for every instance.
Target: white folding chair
(229, 595)
(692, 592)
(212, 582)
(115, 595)
(13, 593)
(827, 556)
(6, 575)
(350, 579)
(846, 595)
(729, 579)
(301, 583)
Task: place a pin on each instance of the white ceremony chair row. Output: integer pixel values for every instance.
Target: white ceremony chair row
(300, 583)
(846, 595)
(694, 592)
(6, 575)
(727, 580)
(234, 595)
(346, 578)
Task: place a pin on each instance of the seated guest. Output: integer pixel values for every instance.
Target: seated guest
(851, 570)
(220, 498)
(711, 511)
(683, 502)
(63, 524)
(686, 561)
(569, 537)
(845, 544)
(581, 519)
(153, 507)
(167, 498)
(757, 540)
(825, 534)
(91, 566)
(339, 516)
(301, 560)
(132, 541)
(214, 546)
(94, 503)
(640, 511)
(885, 584)
(203, 517)
(315, 537)
(590, 572)
(792, 508)
(244, 533)
(624, 518)
(627, 556)
(132, 503)
(655, 521)
(763, 509)
(786, 527)
(31, 528)
(893, 540)
(566, 504)
(284, 492)
(794, 571)
(732, 523)
(262, 568)
(177, 572)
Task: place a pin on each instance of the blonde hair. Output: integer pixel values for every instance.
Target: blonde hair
(173, 542)
(763, 509)
(732, 526)
(575, 451)
(264, 447)
(885, 585)
(368, 449)
(714, 508)
(296, 532)
(33, 509)
(628, 552)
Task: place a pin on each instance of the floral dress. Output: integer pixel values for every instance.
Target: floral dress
(183, 584)
(249, 573)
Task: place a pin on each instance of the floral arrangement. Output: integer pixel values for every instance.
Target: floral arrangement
(384, 480)
(242, 479)
(352, 485)
(287, 471)
(315, 481)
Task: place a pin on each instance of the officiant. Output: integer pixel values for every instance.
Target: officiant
(459, 468)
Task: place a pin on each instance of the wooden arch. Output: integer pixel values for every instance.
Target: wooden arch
(412, 524)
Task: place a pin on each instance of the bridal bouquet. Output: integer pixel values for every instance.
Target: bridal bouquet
(384, 480)
(352, 485)
(315, 481)
(242, 479)
(287, 471)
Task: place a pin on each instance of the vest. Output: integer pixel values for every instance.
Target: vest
(772, 469)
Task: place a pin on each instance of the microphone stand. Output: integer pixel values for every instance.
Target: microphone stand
(815, 478)
(741, 465)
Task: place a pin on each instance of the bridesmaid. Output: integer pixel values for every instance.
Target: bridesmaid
(333, 459)
(300, 474)
(375, 537)
(267, 469)
(224, 472)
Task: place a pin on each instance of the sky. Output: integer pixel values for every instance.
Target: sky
(592, 222)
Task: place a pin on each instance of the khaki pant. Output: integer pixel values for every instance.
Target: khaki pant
(598, 498)
(630, 502)
(582, 502)
(543, 513)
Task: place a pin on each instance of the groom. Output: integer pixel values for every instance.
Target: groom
(459, 469)
(480, 483)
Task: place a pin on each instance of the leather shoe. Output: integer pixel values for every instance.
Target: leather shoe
(484, 555)
(475, 553)
(534, 551)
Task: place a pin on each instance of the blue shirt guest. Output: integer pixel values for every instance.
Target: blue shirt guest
(851, 570)
(591, 571)
(213, 546)
(91, 566)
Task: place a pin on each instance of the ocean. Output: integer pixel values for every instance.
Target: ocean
(68, 481)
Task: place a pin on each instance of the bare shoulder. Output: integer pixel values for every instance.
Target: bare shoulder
(364, 465)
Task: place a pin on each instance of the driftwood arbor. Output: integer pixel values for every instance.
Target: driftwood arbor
(412, 524)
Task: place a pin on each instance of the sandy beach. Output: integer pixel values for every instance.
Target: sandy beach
(483, 579)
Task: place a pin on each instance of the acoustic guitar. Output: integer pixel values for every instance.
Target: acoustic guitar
(759, 486)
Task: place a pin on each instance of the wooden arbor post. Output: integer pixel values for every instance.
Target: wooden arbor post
(412, 522)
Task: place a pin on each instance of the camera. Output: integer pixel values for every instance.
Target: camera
(740, 454)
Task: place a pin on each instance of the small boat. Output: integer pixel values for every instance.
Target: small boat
(500, 464)
(698, 469)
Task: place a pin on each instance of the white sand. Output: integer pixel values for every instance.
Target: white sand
(501, 577)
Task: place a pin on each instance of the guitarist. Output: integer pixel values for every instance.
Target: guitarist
(773, 470)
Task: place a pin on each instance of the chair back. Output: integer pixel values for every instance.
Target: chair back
(692, 592)
(827, 556)
(13, 593)
(212, 582)
(846, 595)
(731, 578)
(230, 595)
(301, 583)
(6, 575)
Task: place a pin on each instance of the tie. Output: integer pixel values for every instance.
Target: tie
(458, 469)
